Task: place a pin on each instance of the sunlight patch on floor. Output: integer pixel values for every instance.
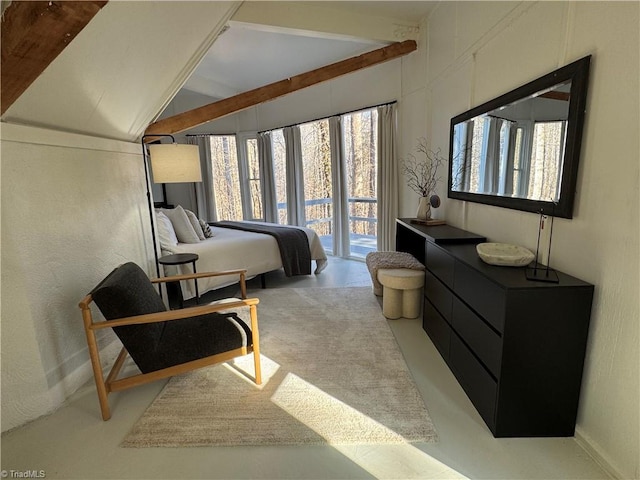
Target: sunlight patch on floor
(376, 448)
(243, 367)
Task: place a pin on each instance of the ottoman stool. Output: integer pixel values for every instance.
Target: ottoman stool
(402, 288)
(377, 260)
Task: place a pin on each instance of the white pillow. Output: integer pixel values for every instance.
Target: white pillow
(166, 233)
(182, 225)
(195, 223)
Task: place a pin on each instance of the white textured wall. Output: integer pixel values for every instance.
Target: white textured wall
(73, 208)
(479, 50)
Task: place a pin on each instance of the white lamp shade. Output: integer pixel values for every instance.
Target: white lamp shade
(175, 163)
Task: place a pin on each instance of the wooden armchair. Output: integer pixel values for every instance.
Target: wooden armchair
(164, 343)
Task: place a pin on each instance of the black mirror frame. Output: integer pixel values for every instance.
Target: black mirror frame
(578, 73)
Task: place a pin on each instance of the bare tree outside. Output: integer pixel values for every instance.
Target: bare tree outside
(226, 177)
(316, 165)
(359, 131)
(280, 173)
(255, 190)
(361, 157)
(546, 157)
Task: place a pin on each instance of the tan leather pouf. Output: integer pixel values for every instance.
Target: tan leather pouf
(402, 292)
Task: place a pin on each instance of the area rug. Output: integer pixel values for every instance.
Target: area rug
(333, 374)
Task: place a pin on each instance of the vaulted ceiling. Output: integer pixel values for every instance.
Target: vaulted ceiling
(33, 35)
(269, 41)
(123, 68)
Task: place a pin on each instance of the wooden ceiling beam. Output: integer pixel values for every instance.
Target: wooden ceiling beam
(33, 35)
(198, 116)
(555, 95)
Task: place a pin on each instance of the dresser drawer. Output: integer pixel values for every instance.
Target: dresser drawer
(437, 328)
(440, 263)
(474, 379)
(483, 341)
(439, 295)
(481, 294)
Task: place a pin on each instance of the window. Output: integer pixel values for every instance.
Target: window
(236, 177)
(226, 177)
(360, 135)
(547, 151)
(255, 189)
(280, 173)
(316, 164)
(338, 192)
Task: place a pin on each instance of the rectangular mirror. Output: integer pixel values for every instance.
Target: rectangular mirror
(521, 150)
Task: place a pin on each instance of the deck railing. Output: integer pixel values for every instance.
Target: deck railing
(362, 229)
(328, 219)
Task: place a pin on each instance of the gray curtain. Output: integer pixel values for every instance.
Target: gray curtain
(295, 177)
(387, 183)
(491, 156)
(265, 158)
(204, 190)
(507, 188)
(340, 193)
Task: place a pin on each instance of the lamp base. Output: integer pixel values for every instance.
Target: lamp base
(541, 274)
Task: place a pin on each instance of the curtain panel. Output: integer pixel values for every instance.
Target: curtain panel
(387, 182)
(265, 159)
(205, 199)
(295, 177)
(340, 190)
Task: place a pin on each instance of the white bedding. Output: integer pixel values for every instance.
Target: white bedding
(231, 249)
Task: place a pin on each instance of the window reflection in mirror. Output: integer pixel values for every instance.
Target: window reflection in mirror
(516, 150)
(521, 150)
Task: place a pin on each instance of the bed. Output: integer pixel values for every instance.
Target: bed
(230, 249)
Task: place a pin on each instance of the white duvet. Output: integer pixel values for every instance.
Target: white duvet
(231, 249)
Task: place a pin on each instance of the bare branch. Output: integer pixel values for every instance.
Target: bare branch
(422, 174)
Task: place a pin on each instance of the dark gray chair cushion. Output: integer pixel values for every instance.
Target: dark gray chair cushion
(127, 292)
(198, 337)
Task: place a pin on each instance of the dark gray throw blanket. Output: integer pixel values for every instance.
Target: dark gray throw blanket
(293, 243)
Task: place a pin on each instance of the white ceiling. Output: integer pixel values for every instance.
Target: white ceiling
(244, 58)
(249, 55)
(412, 11)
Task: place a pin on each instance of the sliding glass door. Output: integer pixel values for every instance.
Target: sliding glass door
(355, 185)
(359, 131)
(318, 190)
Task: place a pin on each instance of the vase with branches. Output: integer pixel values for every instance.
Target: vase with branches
(422, 173)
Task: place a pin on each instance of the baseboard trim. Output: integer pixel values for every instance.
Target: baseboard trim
(597, 457)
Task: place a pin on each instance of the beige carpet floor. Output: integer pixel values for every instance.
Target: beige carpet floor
(332, 374)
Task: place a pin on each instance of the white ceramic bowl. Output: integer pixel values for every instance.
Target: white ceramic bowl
(504, 254)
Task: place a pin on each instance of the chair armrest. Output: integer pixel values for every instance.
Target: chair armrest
(173, 314)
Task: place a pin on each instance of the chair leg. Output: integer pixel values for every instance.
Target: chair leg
(255, 334)
(97, 367)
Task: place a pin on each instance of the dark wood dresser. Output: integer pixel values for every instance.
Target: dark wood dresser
(516, 346)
